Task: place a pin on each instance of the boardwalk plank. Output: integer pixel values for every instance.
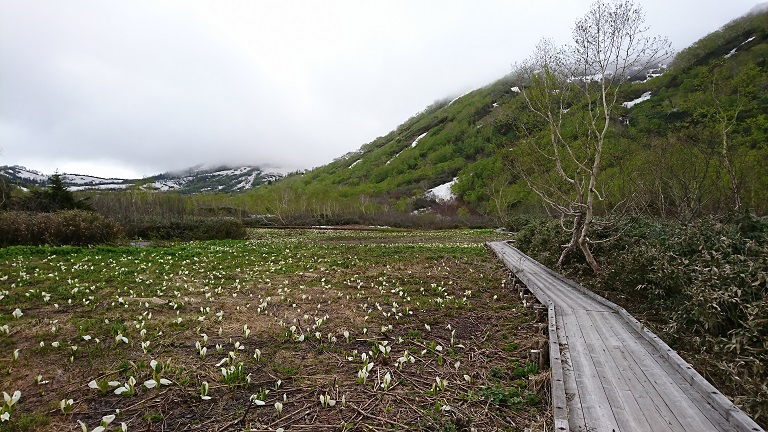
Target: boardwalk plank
(690, 408)
(623, 402)
(649, 401)
(575, 413)
(595, 406)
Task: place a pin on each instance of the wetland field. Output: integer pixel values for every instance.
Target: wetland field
(299, 330)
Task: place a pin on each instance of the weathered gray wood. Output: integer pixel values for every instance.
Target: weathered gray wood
(624, 404)
(575, 414)
(558, 380)
(559, 400)
(672, 389)
(614, 373)
(625, 356)
(598, 414)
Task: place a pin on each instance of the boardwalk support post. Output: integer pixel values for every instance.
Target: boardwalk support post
(539, 357)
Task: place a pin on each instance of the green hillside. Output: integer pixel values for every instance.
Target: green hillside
(665, 152)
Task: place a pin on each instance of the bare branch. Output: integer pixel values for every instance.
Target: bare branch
(574, 90)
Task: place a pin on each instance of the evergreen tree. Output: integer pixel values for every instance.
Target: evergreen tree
(54, 197)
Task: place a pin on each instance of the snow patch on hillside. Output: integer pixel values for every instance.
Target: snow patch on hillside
(78, 179)
(643, 98)
(247, 182)
(413, 144)
(443, 192)
(100, 186)
(733, 51)
(394, 157)
(165, 185)
(459, 97)
(418, 138)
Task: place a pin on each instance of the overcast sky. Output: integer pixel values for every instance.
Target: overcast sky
(136, 88)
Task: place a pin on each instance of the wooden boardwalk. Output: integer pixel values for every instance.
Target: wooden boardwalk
(609, 373)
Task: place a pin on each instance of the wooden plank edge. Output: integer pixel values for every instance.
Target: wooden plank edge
(735, 416)
(559, 400)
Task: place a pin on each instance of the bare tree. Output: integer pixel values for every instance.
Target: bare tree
(727, 92)
(574, 91)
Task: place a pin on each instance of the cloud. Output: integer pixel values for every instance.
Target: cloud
(147, 86)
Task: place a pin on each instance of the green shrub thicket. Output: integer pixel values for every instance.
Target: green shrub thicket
(69, 227)
(704, 285)
(188, 229)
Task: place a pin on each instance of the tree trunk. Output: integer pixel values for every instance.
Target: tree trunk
(731, 173)
(571, 246)
(584, 245)
(579, 238)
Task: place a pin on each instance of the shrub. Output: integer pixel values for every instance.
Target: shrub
(542, 238)
(70, 227)
(519, 221)
(189, 229)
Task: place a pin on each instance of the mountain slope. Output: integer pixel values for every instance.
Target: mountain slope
(27, 178)
(674, 114)
(222, 179)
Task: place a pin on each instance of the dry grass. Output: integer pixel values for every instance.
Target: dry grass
(439, 296)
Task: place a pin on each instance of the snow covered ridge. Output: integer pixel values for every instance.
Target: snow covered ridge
(77, 179)
(100, 186)
(20, 172)
(193, 180)
(222, 179)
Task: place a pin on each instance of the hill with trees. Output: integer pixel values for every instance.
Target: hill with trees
(685, 143)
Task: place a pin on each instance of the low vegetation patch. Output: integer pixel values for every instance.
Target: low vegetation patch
(70, 227)
(293, 329)
(187, 229)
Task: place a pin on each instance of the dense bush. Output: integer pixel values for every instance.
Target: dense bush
(704, 285)
(71, 227)
(188, 229)
(389, 218)
(540, 238)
